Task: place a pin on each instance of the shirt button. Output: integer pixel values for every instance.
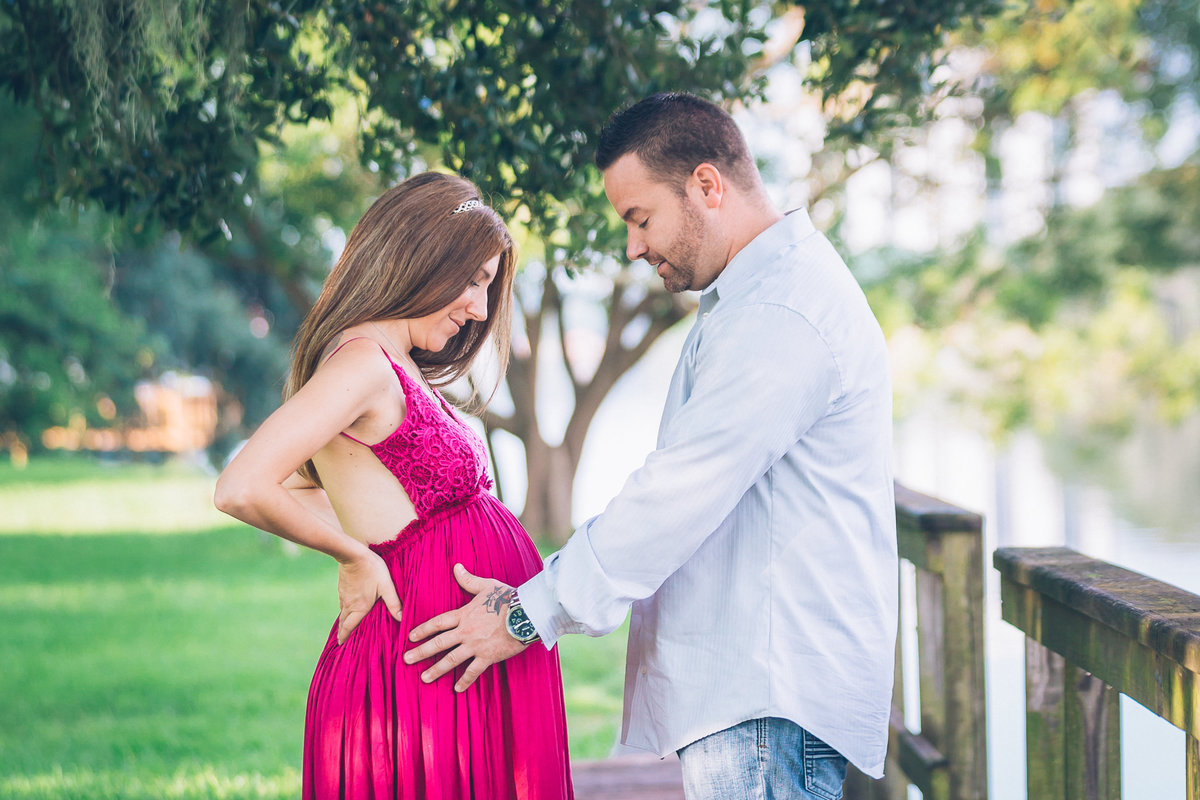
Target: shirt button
(643, 670)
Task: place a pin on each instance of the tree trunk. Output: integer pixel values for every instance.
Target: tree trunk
(551, 475)
(550, 469)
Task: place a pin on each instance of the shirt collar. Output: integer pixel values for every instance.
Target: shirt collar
(794, 226)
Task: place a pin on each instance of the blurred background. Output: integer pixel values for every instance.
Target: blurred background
(1016, 185)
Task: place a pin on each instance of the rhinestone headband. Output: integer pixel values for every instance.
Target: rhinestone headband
(467, 206)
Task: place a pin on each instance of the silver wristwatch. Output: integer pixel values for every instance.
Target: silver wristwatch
(517, 624)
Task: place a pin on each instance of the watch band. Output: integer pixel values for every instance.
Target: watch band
(517, 623)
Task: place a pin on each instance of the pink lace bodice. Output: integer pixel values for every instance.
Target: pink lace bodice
(437, 459)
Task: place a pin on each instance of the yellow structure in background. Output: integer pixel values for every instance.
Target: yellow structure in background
(178, 414)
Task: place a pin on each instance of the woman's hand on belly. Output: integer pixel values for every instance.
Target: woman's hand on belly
(361, 581)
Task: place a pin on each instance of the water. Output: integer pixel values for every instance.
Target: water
(1131, 502)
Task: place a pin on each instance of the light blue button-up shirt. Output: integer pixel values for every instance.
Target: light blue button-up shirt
(757, 543)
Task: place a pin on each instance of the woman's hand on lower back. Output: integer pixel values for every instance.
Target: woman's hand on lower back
(362, 581)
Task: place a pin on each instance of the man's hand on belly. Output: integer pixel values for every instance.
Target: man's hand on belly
(475, 633)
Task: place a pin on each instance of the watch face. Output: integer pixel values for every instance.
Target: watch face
(519, 625)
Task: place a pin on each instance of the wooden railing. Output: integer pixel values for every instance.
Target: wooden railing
(1095, 631)
(947, 758)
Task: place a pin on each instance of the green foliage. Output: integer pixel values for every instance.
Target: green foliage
(876, 63)
(166, 124)
(64, 343)
(203, 318)
(156, 110)
(88, 309)
(151, 110)
(1042, 55)
(1149, 226)
(1072, 329)
(1152, 226)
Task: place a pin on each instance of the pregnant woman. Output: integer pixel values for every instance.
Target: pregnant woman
(366, 462)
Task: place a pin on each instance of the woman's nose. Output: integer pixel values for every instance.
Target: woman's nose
(477, 306)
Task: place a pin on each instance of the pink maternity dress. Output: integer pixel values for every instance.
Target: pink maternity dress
(373, 729)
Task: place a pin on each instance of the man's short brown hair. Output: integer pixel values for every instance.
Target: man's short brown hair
(672, 133)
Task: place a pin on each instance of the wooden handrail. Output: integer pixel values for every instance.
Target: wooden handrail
(1095, 630)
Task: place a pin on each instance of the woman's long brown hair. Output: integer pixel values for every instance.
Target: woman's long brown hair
(408, 257)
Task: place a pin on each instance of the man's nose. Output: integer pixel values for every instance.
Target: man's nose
(636, 247)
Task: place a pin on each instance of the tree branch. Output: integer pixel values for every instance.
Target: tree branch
(844, 174)
(778, 47)
(553, 298)
(617, 359)
(618, 318)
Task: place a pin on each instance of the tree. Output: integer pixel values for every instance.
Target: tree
(160, 111)
(636, 312)
(1076, 332)
(68, 352)
(156, 108)
(1056, 57)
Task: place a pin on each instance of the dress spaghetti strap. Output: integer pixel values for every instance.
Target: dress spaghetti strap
(348, 341)
(351, 438)
(407, 383)
(339, 347)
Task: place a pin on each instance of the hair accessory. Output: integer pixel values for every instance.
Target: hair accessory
(467, 206)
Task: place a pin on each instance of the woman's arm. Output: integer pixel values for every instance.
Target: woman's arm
(252, 487)
(313, 498)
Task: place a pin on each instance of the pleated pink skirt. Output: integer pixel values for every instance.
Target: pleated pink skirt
(373, 730)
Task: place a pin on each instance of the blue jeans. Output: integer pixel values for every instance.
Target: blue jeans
(762, 759)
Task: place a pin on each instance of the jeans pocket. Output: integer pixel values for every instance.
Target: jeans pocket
(824, 769)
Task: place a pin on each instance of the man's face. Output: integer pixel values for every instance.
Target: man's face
(664, 228)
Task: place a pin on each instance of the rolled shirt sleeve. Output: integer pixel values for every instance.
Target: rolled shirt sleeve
(763, 376)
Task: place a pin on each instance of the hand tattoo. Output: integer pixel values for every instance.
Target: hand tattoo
(497, 599)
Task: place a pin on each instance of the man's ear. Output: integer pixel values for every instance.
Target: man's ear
(707, 181)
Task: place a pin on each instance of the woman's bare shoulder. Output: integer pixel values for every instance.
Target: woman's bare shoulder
(355, 363)
(352, 340)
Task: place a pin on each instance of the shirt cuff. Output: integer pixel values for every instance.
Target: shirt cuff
(548, 616)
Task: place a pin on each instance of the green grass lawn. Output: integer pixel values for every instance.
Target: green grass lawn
(172, 660)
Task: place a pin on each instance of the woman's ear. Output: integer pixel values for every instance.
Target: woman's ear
(707, 182)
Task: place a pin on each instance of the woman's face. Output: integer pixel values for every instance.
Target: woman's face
(431, 333)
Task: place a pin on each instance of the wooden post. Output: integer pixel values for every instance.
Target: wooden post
(932, 657)
(1045, 723)
(1193, 768)
(965, 682)
(947, 760)
(1093, 737)
(1072, 730)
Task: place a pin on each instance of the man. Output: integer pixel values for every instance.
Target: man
(757, 542)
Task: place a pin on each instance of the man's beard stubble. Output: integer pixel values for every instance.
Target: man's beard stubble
(687, 247)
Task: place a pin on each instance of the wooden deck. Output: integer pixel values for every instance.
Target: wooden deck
(628, 777)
